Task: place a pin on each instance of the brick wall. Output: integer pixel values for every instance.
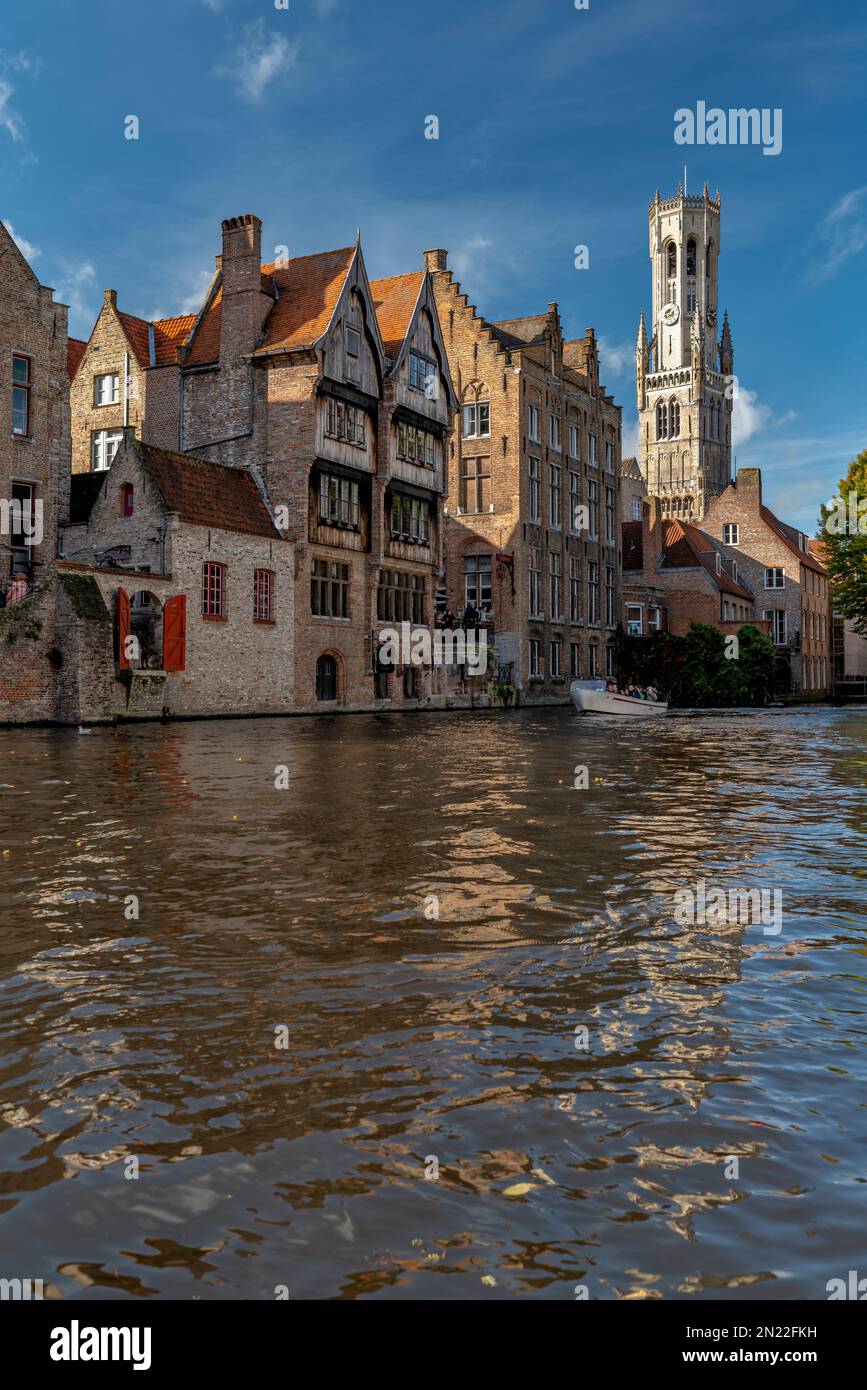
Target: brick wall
(33, 326)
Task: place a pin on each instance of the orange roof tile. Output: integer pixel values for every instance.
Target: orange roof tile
(170, 335)
(207, 494)
(309, 287)
(75, 350)
(395, 298)
(685, 546)
(138, 332)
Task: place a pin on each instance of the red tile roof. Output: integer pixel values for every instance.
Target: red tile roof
(170, 335)
(207, 494)
(685, 546)
(138, 332)
(789, 535)
(305, 291)
(75, 350)
(395, 299)
(309, 288)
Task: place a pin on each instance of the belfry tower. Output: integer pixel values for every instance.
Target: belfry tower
(683, 374)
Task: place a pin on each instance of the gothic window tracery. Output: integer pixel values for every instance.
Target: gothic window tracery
(662, 420)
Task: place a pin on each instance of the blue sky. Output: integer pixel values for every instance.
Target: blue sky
(556, 127)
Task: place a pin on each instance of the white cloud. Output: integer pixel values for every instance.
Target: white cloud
(616, 360)
(470, 258)
(27, 249)
(749, 416)
(259, 61)
(842, 233)
(10, 121)
(629, 440)
(75, 286)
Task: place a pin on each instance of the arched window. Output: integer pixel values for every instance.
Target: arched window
(690, 256)
(126, 499)
(708, 260)
(674, 420)
(672, 260)
(326, 678)
(662, 420)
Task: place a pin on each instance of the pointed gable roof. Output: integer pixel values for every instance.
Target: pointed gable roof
(308, 290)
(789, 535)
(395, 299)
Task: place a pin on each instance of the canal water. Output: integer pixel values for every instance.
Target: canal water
(410, 1011)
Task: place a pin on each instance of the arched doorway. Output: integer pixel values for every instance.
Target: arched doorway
(326, 678)
(145, 614)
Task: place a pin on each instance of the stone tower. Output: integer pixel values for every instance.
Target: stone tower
(683, 374)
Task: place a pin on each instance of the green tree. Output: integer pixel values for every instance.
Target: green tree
(755, 666)
(843, 531)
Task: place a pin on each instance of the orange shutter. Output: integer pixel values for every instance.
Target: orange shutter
(124, 628)
(175, 633)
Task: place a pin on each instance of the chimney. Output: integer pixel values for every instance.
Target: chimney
(436, 260)
(110, 297)
(749, 486)
(241, 262)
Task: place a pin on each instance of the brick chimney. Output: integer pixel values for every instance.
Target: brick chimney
(436, 260)
(110, 297)
(749, 486)
(241, 261)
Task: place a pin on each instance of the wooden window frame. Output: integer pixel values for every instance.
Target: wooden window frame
(263, 596)
(209, 569)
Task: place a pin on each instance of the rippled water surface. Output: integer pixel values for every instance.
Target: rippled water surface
(415, 1041)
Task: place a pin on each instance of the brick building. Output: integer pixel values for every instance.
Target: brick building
(34, 423)
(532, 534)
(190, 565)
(675, 574)
(126, 374)
(337, 394)
(789, 581)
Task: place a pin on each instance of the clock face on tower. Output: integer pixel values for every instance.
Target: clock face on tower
(711, 315)
(670, 314)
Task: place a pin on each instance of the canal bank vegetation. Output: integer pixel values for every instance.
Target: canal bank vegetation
(704, 669)
(843, 533)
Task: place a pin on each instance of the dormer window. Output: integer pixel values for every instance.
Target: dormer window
(423, 375)
(127, 499)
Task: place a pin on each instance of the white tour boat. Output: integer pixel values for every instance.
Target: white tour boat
(591, 697)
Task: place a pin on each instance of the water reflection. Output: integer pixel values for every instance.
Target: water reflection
(429, 910)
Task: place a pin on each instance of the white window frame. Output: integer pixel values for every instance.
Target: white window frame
(555, 496)
(554, 432)
(635, 626)
(731, 533)
(534, 424)
(99, 441)
(773, 571)
(574, 442)
(114, 390)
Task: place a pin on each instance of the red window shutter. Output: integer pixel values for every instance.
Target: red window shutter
(124, 628)
(175, 633)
